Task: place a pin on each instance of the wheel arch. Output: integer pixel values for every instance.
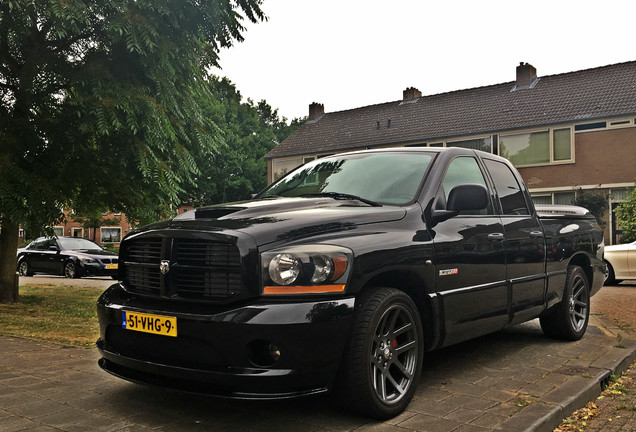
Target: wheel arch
(584, 262)
(412, 285)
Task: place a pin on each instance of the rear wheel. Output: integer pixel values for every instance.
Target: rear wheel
(24, 269)
(383, 359)
(70, 270)
(569, 319)
(611, 276)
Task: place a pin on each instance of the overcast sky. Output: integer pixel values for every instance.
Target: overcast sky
(352, 53)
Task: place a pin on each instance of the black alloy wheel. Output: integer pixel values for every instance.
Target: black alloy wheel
(70, 270)
(384, 357)
(24, 270)
(569, 319)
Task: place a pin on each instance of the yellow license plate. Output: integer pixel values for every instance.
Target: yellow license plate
(111, 266)
(147, 323)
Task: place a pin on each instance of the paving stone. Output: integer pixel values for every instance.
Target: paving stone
(38, 408)
(423, 422)
(463, 415)
(16, 423)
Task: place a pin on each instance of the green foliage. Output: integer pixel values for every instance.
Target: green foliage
(596, 202)
(104, 103)
(626, 213)
(250, 131)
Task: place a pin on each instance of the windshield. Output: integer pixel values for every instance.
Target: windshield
(77, 243)
(390, 178)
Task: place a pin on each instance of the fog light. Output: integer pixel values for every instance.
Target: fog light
(274, 352)
(262, 353)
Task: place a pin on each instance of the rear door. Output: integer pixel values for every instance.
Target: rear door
(469, 261)
(524, 244)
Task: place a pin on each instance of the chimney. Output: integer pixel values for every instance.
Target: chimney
(526, 75)
(411, 93)
(316, 110)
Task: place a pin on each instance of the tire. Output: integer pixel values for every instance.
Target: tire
(383, 359)
(70, 270)
(24, 269)
(611, 276)
(568, 320)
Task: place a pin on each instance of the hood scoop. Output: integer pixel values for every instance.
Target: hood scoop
(215, 212)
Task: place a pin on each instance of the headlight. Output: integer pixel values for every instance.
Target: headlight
(87, 260)
(305, 269)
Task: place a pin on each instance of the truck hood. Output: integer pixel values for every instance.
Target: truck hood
(272, 220)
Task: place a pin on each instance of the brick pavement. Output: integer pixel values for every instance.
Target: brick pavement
(514, 380)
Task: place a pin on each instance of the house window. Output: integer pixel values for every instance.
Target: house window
(562, 142)
(77, 232)
(561, 198)
(483, 144)
(564, 198)
(58, 231)
(590, 126)
(537, 148)
(110, 234)
(542, 199)
(20, 232)
(280, 167)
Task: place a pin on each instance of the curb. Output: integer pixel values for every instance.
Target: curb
(575, 393)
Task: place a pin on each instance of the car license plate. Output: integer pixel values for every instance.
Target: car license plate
(147, 323)
(111, 266)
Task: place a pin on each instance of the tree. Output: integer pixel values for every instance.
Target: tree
(250, 131)
(102, 106)
(595, 202)
(626, 213)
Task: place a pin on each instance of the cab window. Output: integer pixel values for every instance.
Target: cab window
(508, 189)
(462, 170)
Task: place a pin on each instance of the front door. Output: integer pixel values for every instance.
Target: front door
(469, 259)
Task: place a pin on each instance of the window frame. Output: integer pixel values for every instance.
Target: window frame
(101, 234)
(550, 130)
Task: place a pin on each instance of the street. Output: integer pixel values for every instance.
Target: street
(516, 379)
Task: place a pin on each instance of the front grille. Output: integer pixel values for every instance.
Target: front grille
(198, 252)
(199, 269)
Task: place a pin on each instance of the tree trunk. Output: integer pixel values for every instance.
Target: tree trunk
(8, 263)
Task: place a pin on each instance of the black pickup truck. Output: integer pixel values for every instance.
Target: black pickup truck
(340, 275)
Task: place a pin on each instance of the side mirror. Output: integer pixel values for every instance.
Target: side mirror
(53, 248)
(467, 197)
(462, 198)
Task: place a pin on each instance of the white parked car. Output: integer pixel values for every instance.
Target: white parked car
(621, 263)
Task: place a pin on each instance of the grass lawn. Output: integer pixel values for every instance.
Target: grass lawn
(62, 314)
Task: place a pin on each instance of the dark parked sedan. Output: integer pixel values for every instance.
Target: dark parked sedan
(67, 256)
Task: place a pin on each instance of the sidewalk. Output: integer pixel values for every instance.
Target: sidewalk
(515, 380)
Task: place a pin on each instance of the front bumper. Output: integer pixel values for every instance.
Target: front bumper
(96, 269)
(217, 350)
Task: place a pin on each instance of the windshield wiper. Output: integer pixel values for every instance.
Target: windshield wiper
(339, 195)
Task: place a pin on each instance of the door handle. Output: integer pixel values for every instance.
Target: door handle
(536, 234)
(496, 237)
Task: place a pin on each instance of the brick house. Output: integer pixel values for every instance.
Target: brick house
(109, 232)
(563, 132)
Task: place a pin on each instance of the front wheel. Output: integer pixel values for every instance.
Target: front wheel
(569, 319)
(70, 270)
(383, 359)
(24, 269)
